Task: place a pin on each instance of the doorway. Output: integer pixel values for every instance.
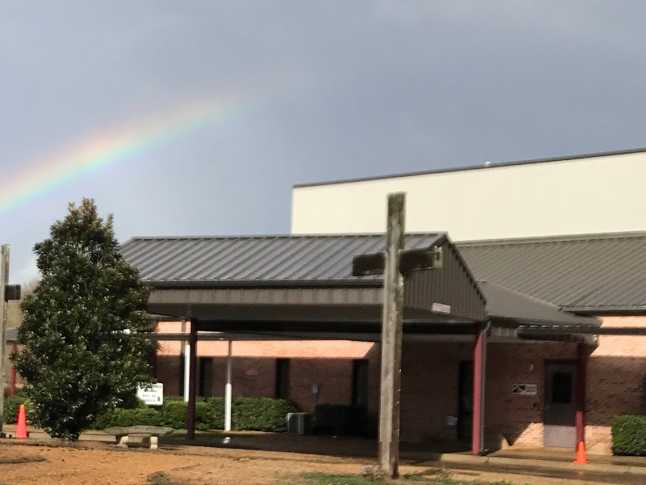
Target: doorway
(465, 401)
(560, 405)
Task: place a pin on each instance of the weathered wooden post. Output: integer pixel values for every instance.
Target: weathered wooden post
(394, 263)
(192, 390)
(391, 339)
(4, 282)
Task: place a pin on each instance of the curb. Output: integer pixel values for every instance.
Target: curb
(525, 464)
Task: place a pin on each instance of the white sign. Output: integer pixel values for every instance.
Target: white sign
(524, 389)
(440, 308)
(151, 394)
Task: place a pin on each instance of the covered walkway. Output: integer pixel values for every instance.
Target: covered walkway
(302, 288)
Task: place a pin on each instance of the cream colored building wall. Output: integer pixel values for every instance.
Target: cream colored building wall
(598, 194)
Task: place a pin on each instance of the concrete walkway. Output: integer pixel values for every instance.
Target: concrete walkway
(549, 463)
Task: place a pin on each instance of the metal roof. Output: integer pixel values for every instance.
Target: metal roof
(597, 273)
(506, 304)
(234, 271)
(237, 261)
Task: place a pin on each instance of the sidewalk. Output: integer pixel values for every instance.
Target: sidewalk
(548, 462)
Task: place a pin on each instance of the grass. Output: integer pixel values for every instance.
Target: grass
(430, 477)
(160, 478)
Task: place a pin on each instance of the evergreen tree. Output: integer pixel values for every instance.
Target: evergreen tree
(84, 332)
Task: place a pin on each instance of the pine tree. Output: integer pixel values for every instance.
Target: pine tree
(84, 332)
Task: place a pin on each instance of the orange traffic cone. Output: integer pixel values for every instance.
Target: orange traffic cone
(581, 456)
(21, 424)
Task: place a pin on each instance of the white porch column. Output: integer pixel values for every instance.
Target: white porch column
(187, 365)
(228, 391)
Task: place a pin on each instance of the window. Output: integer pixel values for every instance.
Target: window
(282, 378)
(360, 383)
(182, 362)
(205, 388)
(561, 387)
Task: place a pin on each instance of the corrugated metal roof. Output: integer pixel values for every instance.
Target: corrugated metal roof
(507, 304)
(228, 262)
(252, 259)
(596, 273)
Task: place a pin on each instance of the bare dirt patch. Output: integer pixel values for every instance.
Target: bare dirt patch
(184, 465)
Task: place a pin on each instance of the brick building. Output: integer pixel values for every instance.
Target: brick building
(437, 367)
(574, 242)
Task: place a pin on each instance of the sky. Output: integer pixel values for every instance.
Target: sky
(197, 117)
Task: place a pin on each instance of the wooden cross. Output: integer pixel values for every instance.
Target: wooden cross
(393, 264)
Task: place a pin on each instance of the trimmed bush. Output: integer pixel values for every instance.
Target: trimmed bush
(252, 414)
(173, 414)
(129, 417)
(260, 413)
(629, 435)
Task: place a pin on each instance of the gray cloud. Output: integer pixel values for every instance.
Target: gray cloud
(328, 90)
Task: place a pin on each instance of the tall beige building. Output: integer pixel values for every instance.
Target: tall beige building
(598, 193)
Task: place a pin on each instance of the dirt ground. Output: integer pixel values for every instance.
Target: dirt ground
(22, 464)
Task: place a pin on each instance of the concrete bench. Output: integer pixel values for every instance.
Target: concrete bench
(150, 434)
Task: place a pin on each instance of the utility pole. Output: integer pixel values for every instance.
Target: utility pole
(391, 339)
(394, 263)
(4, 282)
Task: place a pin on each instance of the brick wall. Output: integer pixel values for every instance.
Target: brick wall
(430, 389)
(327, 364)
(616, 373)
(518, 419)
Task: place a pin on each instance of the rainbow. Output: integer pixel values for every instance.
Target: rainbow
(124, 140)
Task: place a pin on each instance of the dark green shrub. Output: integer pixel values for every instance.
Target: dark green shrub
(214, 418)
(129, 417)
(260, 413)
(629, 435)
(249, 413)
(173, 414)
(11, 405)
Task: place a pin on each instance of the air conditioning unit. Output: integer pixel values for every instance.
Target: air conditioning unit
(299, 423)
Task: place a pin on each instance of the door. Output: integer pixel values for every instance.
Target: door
(560, 405)
(465, 401)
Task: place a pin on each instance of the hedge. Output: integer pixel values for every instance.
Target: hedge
(629, 435)
(11, 405)
(257, 414)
